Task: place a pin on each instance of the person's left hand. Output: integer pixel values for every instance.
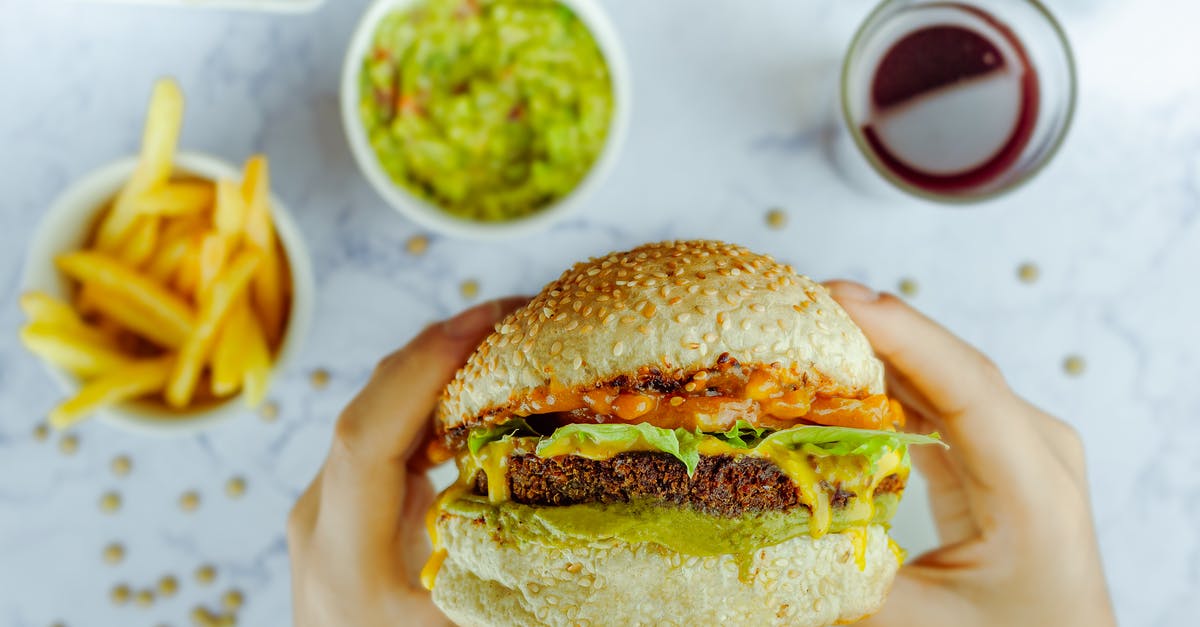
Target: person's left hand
(357, 535)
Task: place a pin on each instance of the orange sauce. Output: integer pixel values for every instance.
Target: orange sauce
(716, 401)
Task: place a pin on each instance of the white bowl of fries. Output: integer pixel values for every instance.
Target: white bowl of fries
(163, 291)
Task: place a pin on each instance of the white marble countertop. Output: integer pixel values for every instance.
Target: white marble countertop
(730, 106)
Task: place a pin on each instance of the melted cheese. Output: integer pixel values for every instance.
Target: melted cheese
(814, 476)
(796, 466)
(858, 539)
(430, 570)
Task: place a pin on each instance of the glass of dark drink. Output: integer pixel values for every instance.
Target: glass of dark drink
(958, 101)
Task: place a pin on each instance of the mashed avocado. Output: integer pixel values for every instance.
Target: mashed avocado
(682, 530)
(489, 109)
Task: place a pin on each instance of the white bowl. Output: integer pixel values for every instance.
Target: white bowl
(429, 215)
(67, 223)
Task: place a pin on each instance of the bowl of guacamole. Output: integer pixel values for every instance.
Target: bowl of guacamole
(484, 118)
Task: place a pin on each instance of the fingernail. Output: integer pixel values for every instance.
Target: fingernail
(473, 321)
(857, 292)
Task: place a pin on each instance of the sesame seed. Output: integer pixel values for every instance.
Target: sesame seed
(676, 401)
(319, 378)
(189, 501)
(235, 487)
(68, 444)
(168, 585)
(416, 244)
(683, 318)
(232, 600)
(110, 502)
(710, 337)
(618, 349)
(609, 318)
(676, 300)
(114, 553)
(205, 574)
(120, 594)
(649, 310)
(269, 411)
(757, 307)
(1028, 272)
(556, 348)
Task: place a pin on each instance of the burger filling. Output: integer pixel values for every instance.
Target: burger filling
(722, 461)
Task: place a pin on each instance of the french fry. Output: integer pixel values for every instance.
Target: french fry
(127, 382)
(159, 139)
(229, 352)
(177, 199)
(187, 275)
(229, 215)
(257, 372)
(140, 244)
(214, 248)
(158, 303)
(167, 259)
(73, 353)
(43, 309)
(128, 314)
(232, 282)
(268, 289)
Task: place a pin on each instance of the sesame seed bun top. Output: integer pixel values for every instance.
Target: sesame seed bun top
(672, 306)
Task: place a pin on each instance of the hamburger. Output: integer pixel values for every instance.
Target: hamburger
(684, 433)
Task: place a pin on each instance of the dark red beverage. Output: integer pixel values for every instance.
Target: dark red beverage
(953, 102)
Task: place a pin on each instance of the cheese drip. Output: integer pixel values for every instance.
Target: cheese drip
(815, 476)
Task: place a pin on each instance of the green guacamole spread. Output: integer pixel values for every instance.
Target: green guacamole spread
(488, 109)
(682, 530)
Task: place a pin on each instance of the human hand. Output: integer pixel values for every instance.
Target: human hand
(357, 534)
(1010, 496)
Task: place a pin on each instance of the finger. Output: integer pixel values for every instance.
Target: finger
(363, 485)
(383, 421)
(987, 426)
(414, 541)
(915, 600)
(949, 502)
(303, 516)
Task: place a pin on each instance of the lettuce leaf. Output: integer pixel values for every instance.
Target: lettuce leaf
(684, 444)
(681, 443)
(872, 444)
(480, 437)
(737, 435)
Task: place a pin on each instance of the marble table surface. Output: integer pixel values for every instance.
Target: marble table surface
(730, 108)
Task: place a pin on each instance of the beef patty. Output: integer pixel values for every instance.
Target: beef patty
(722, 486)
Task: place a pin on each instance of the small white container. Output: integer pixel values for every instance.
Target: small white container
(430, 216)
(64, 228)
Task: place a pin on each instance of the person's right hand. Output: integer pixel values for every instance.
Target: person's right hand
(1010, 496)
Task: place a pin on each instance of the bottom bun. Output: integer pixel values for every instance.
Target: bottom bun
(490, 579)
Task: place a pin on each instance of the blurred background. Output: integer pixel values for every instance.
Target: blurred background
(1081, 284)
